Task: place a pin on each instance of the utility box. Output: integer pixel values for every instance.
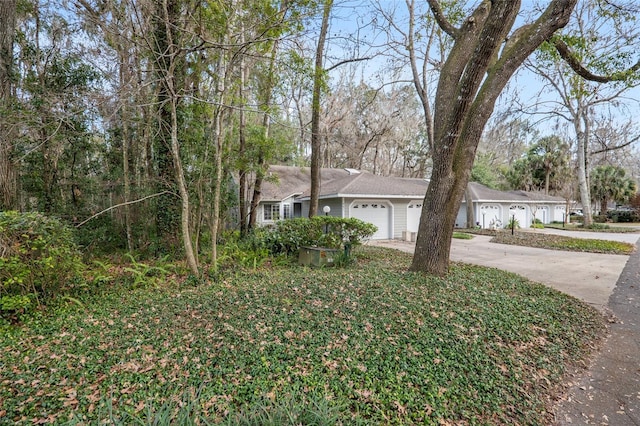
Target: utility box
(317, 256)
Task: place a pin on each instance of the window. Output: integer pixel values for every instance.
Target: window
(286, 211)
(271, 212)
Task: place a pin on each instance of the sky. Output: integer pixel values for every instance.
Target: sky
(362, 19)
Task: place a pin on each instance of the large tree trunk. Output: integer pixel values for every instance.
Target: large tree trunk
(473, 76)
(318, 78)
(8, 180)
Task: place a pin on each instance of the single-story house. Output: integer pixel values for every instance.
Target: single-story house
(393, 204)
(493, 208)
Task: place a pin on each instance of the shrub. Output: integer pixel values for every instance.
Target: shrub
(599, 218)
(323, 231)
(462, 235)
(38, 258)
(625, 216)
(513, 223)
(596, 225)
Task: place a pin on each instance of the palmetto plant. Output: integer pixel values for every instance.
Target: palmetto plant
(610, 183)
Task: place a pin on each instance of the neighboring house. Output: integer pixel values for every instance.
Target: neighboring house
(393, 204)
(496, 208)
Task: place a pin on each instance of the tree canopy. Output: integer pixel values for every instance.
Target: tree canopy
(150, 125)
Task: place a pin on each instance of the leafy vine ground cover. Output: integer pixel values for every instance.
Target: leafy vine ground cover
(377, 344)
(560, 242)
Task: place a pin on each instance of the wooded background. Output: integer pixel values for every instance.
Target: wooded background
(168, 112)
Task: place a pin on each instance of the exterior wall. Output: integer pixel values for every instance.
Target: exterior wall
(461, 218)
(260, 218)
(554, 212)
(399, 217)
(558, 213)
(335, 204)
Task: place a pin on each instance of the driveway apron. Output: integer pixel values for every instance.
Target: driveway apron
(609, 392)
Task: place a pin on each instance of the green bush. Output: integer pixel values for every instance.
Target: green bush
(38, 259)
(599, 218)
(597, 225)
(321, 231)
(512, 224)
(623, 216)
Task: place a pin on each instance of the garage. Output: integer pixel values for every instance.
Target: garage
(375, 212)
(520, 214)
(414, 211)
(490, 216)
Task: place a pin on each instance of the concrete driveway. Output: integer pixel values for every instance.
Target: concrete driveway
(590, 277)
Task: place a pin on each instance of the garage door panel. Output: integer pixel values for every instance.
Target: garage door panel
(520, 214)
(414, 211)
(375, 212)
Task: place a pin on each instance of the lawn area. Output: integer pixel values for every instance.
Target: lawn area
(622, 228)
(559, 242)
(366, 344)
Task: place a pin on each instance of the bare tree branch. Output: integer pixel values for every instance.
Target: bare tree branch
(123, 204)
(347, 61)
(574, 63)
(442, 21)
(613, 148)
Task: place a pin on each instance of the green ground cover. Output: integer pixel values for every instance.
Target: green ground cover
(367, 344)
(559, 242)
(596, 227)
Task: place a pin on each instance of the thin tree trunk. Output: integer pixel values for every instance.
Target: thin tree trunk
(8, 178)
(184, 193)
(583, 180)
(217, 156)
(471, 220)
(126, 138)
(262, 167)
(217, 182)
(172, 92)
(242, 178)
(318, 77)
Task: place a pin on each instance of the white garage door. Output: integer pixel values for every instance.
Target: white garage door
(376, 212)
(490, 216)
(520, 214)
(414, 211)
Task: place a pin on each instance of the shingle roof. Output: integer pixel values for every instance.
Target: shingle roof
(284, 181)
(287, 181)
(480, 192)
(372, 185)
